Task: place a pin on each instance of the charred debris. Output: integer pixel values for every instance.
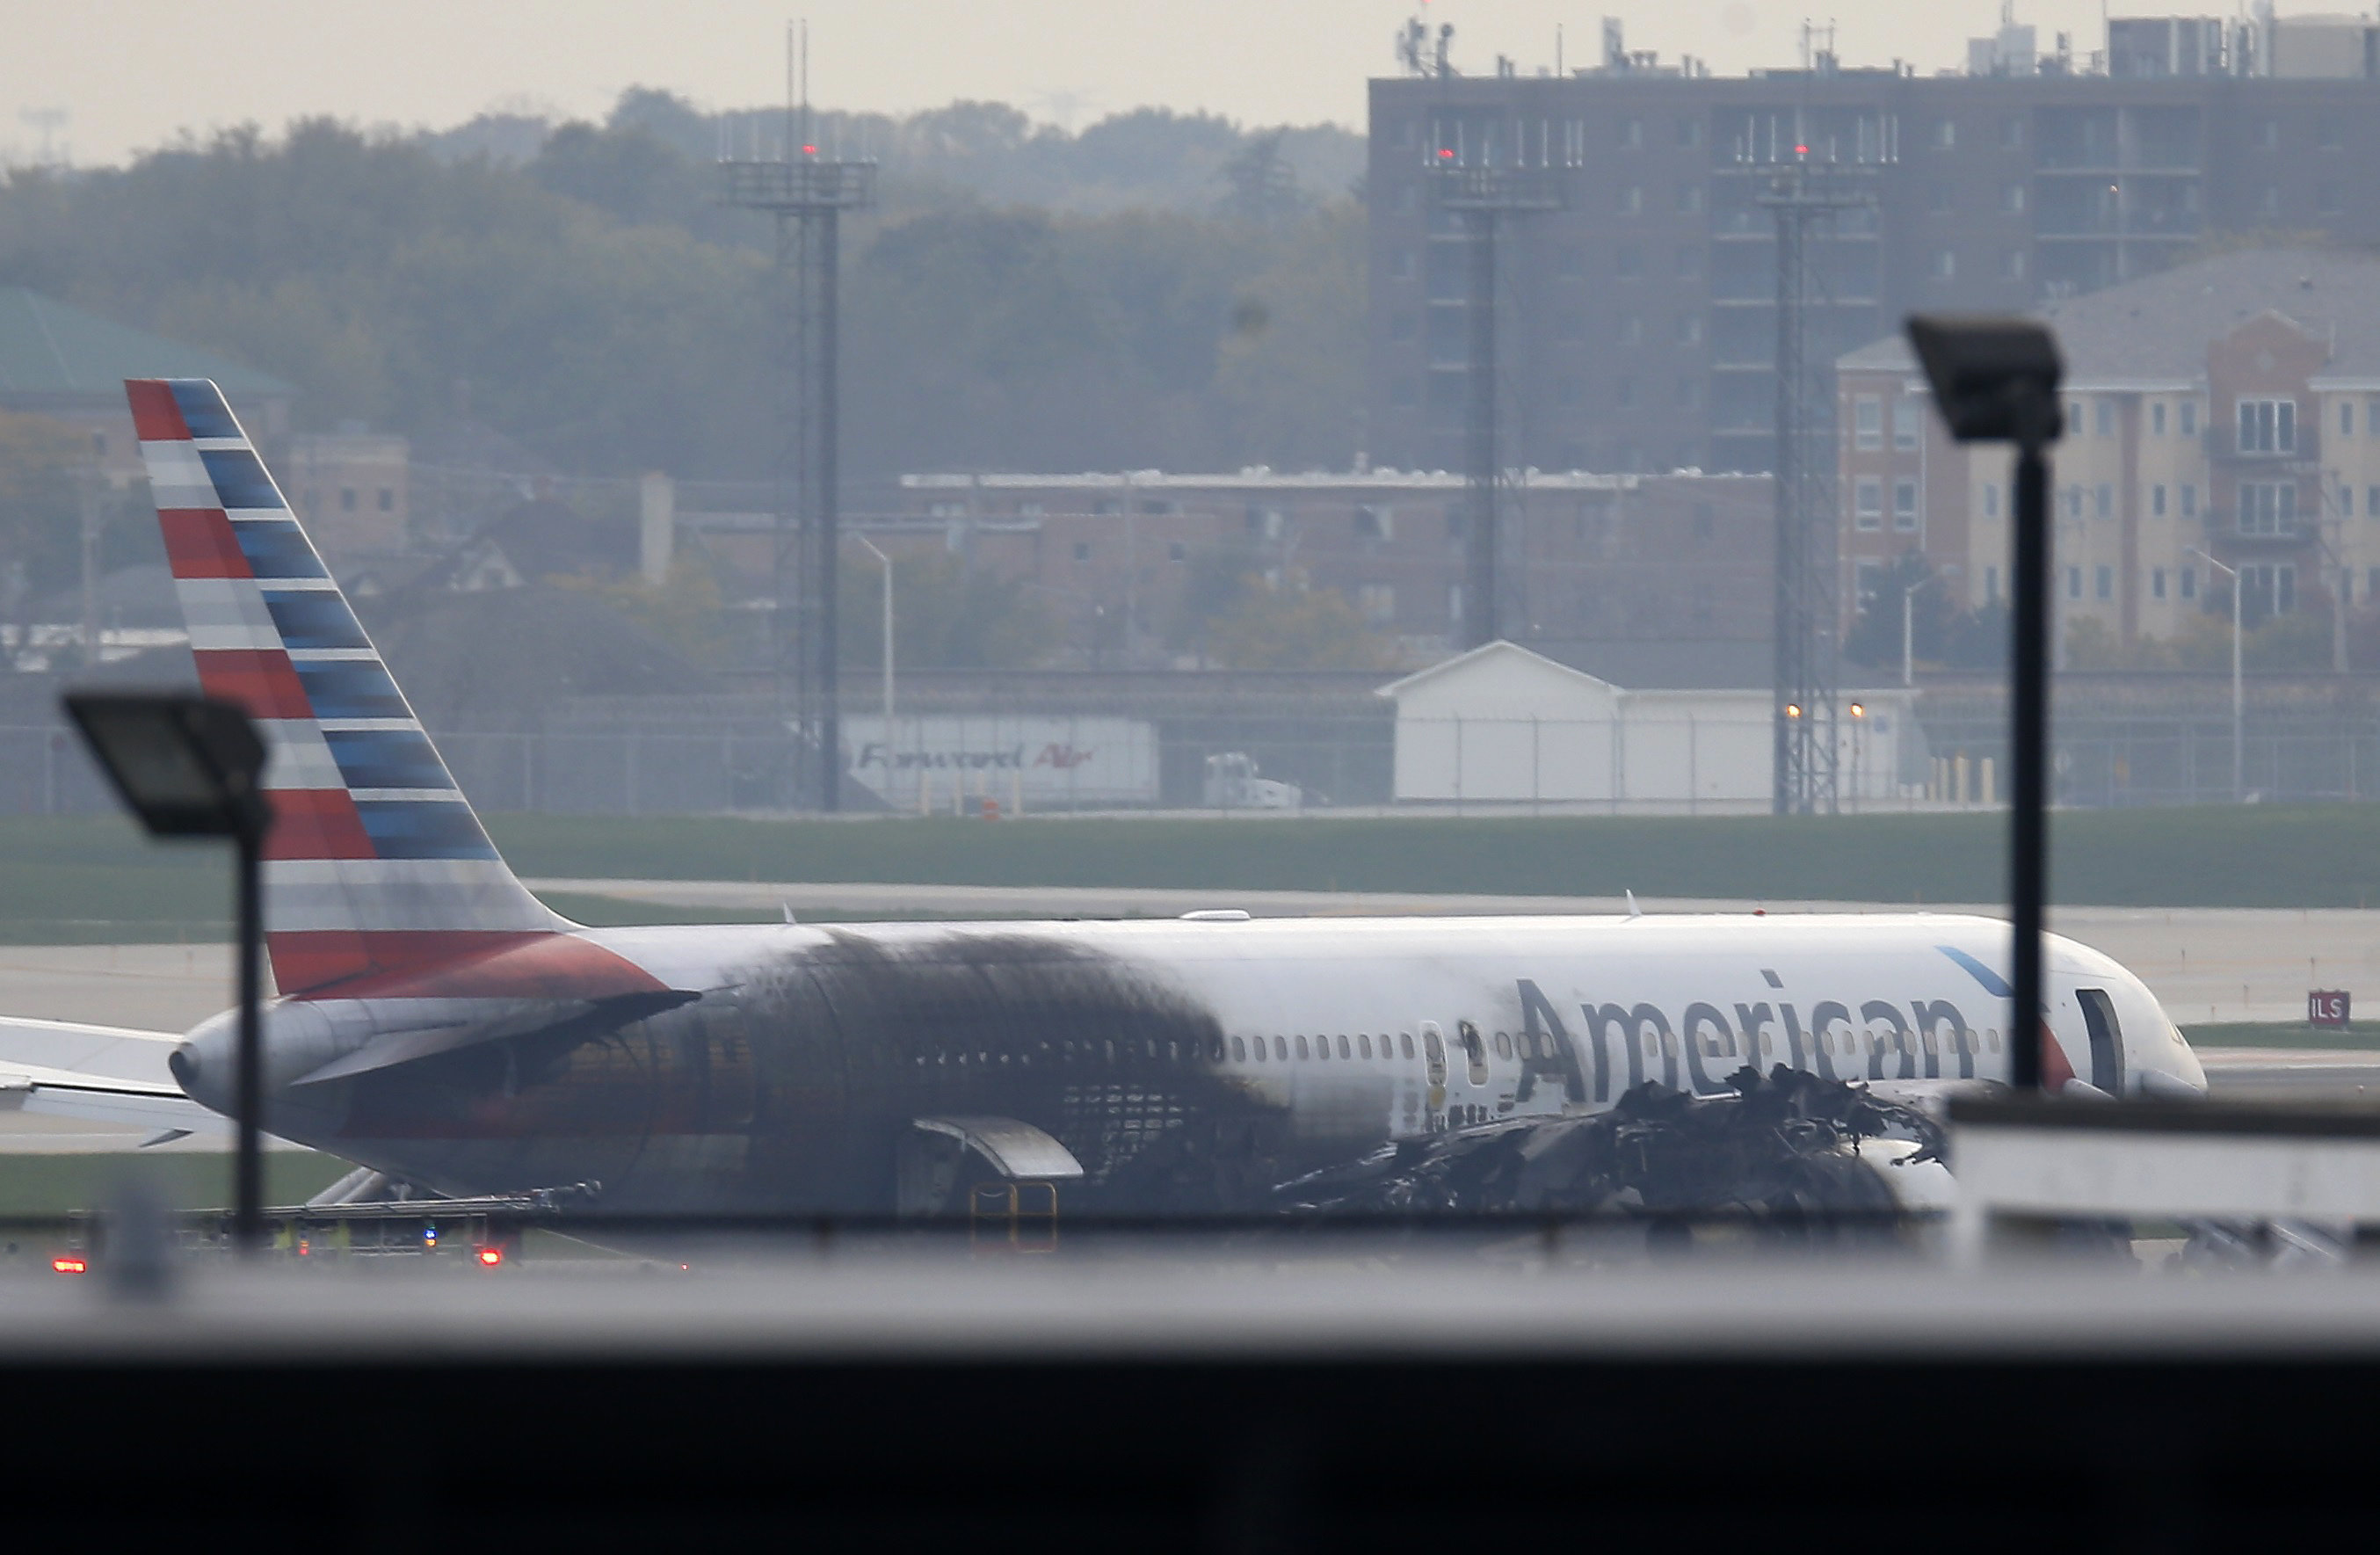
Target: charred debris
(1781, 1151)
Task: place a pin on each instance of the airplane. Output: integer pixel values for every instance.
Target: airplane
(436, 1023)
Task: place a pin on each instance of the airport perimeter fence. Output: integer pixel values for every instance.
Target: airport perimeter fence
(1046, 764)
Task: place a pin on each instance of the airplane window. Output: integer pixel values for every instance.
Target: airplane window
(1322, 1047)
(1281, 1048)
(1239, 1049)
(1992, 1038)
(1404, 1044)
(1215, 1049)
(1504, 1045)
(1930, 1046)
(1344, 1052)
(1301, 1049)
(1363, 1044)
(1668, 1045)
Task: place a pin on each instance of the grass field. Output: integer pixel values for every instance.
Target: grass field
(2364, 1038)
(93, 878)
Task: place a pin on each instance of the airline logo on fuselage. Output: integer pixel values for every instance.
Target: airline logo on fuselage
(1698, 1050)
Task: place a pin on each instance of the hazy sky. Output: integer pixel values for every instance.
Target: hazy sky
(132, 73)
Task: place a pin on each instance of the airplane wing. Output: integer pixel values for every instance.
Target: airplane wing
(107, 1073)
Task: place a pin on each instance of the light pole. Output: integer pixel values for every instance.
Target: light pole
(2238, 702)
(885, 562)
(1995, 380)
(1908, 624)
(191, 765)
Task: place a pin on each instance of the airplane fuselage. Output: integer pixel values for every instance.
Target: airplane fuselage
(1185, 1065)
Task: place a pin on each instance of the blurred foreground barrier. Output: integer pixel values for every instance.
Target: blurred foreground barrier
(2029, 1161)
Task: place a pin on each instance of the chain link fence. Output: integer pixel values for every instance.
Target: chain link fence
(1483, 765)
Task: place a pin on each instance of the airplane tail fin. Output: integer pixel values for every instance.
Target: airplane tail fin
(376, 864)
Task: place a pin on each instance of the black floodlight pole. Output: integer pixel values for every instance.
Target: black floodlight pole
(1995, 380)
(191, 765)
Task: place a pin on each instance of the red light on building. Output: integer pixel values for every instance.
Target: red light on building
(69, 1265)
(490, 1256)
(1446, 153)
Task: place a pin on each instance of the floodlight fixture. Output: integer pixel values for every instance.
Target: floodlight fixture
(1995, 380)
(193, 766)
(189, 766)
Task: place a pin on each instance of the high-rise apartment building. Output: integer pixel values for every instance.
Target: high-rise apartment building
(1638, 314)
(2222, 418)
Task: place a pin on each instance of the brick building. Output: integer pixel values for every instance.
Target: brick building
(1652, 579)
(2229, 406)
(1639, 317)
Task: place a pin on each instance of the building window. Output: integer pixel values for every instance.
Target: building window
(2371, 502)
(1991, 584)
(2012, 265)
(1177, 551)
(1905, 507)
(2156, 501)
(2012, 200)
(2371, 417)
(1082, 549)
(1946, 136)
(2189, 500)
(2156, 418)
(387, 500)
(2102, 582)
(2074, 583)
(2103, 501)
(1373, 522)
(1945, 264)
(2268, 426)
(1908, 414)
(2156, 582)
(2074, 495)
(2274, 589)
(1868, 422)
(2190, 583)
(2102, 418)
(346, 499)
(1991, 500)
(2189, 418)
(2346, 417)
(2268, 507)
(1867, 503)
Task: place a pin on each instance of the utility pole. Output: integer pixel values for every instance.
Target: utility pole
(2238, 693)
(1803, 195)
(1484, 195)
(807, 194)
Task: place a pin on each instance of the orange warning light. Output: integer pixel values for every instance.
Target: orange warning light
(69, 1265)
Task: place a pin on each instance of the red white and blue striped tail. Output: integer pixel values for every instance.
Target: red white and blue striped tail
(376, 867)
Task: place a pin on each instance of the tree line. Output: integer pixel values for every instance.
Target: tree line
(1156, 291)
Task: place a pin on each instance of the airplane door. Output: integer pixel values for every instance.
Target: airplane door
(2107, 1038)
(1433, 1054)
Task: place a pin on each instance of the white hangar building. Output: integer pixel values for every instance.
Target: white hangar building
(1503, 724)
